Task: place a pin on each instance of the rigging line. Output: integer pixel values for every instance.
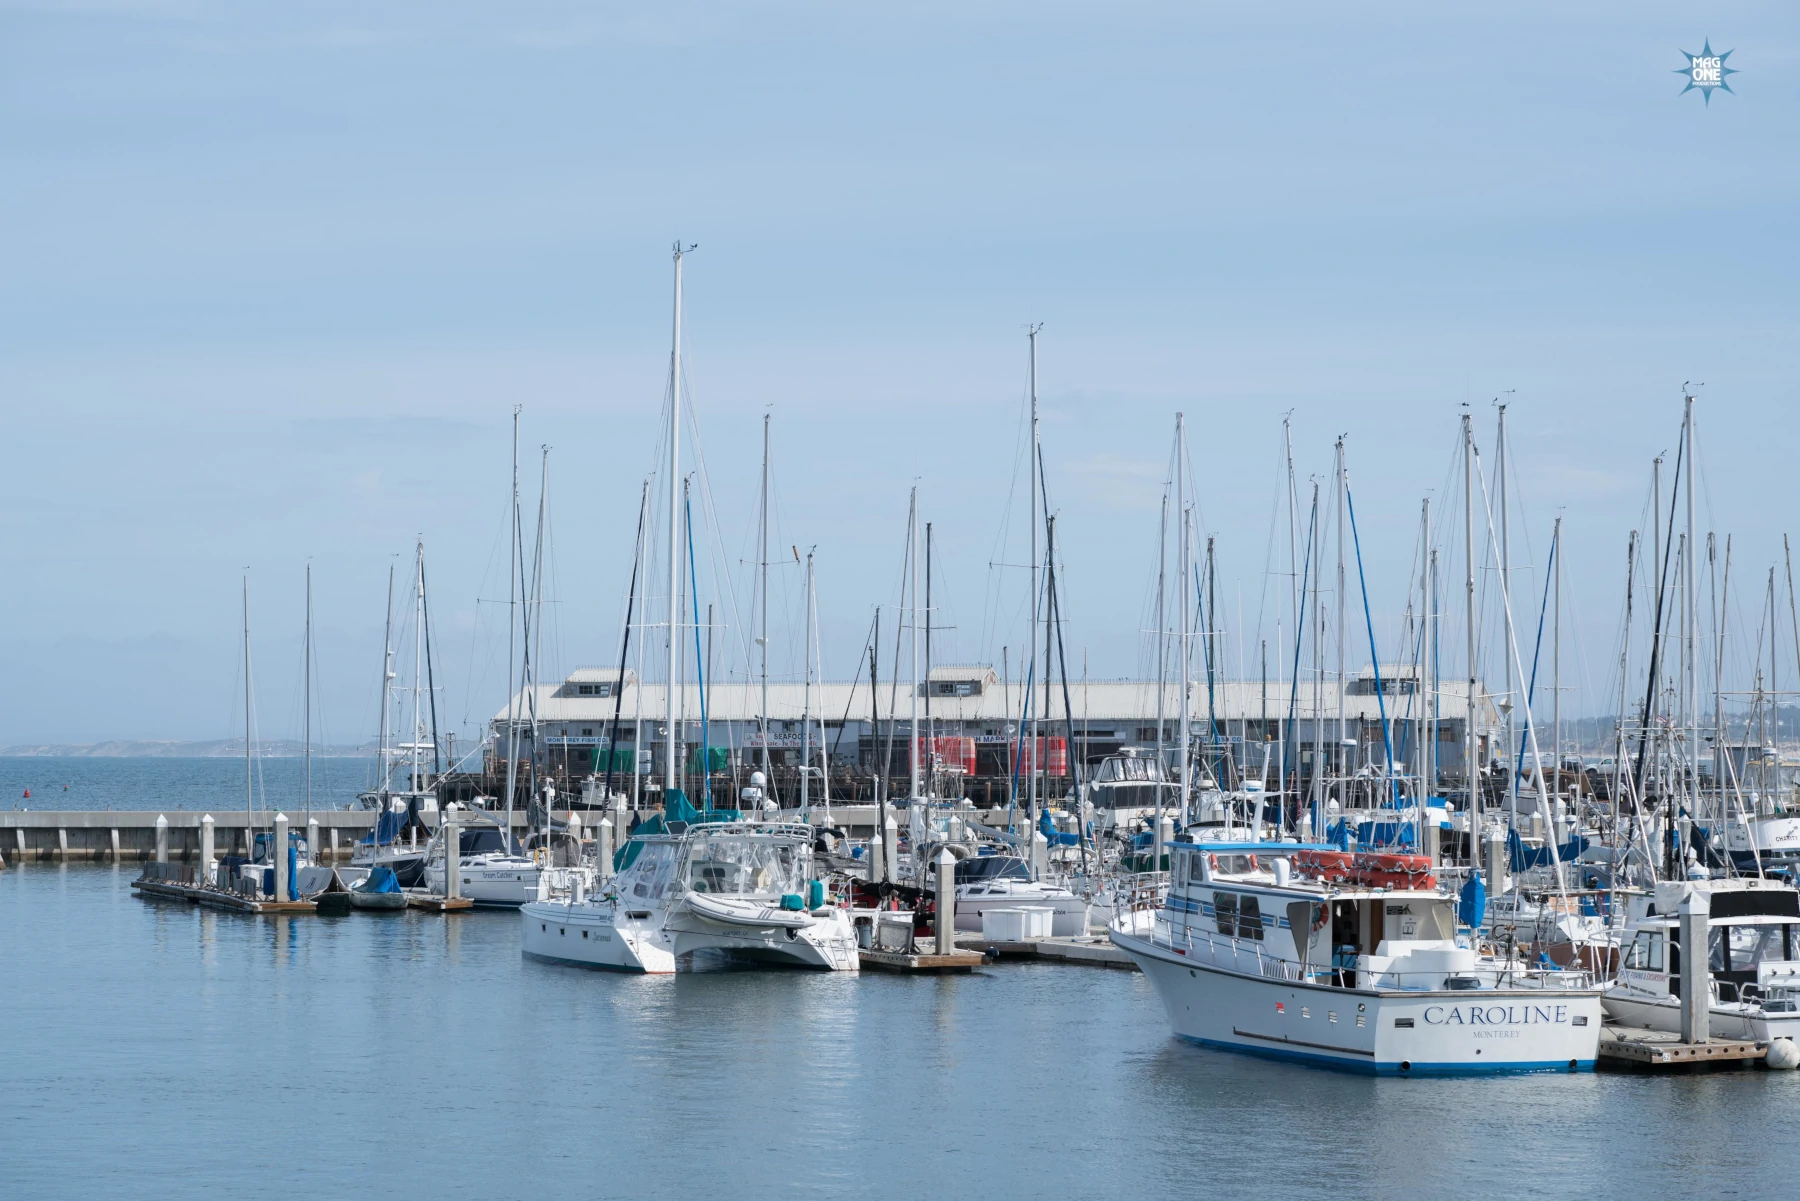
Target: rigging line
(1537, 653)
(868, 644)
(1387, 739)
(1293, 741)
(612, 737)
(699, 658)
(1656, 636)
(437, 763)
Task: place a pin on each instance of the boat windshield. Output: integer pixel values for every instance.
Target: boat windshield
(991, 867)
(1751, 945)
(1132, 768)
(650, 873)
(744, 866)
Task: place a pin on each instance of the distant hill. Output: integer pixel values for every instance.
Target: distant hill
(221, 748)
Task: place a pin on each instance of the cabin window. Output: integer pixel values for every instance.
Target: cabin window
(1646, 952)
(1225, 913)
(1250, 923)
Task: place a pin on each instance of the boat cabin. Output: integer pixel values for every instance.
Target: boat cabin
(1752, 943)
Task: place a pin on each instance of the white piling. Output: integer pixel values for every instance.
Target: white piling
(575, 833)
(1696, 978)
(1494, 855)
(603, 849)
(312, 840)
(452, 853)
(203, 872)
(946, 903)
(279, 852)
(877, 859)
(1165, 834)
(162, 838)
(1040, 855)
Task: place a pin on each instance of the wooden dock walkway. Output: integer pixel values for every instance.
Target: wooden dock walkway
(1092, 950)
(900, 961)
(1658, 1050)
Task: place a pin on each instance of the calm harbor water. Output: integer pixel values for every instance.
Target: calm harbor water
(164, 784)
(153, 1049)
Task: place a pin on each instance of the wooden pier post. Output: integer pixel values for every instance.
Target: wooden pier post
(452, 841)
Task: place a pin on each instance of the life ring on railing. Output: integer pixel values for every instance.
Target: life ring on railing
(1321, 915)
(1254, 866)
(1212, 863)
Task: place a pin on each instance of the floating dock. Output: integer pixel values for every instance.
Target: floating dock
(431, 903)
(214, 898)
(1091, 950)
(903, 961)
(1658, 1050)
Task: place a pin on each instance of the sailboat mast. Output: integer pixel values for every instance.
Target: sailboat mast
(912, 548)
(1469, 744)
(1426, 743)
(763, 640)
(1689, 634)
(1162, 659)
(387, 683)
(307, 686)
(672, 736)
(1512, 684)
(1344, 769)
(418, 660)
(1031, 709)
(1181, 610)
(249, 780)
(512, 629)
(806, 699)
(930, 726)
(1556, 662)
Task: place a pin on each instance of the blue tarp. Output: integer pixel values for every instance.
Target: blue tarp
(1471, 910)
(387, 828)
(1338, 835)
(1524, 860)
(1052, 835)
(1384, 834)
(381, 879)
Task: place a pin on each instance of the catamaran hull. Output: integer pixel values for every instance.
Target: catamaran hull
(1485, 1032)
(589, 936)
(499, 885)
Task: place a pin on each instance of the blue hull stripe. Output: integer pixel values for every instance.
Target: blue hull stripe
(1364, 1067)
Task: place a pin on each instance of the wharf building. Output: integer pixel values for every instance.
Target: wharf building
(601, 724)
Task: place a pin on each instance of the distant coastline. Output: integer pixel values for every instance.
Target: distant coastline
(222, 748)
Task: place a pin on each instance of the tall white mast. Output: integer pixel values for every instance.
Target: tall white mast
(536, 650)
(763, 640)
(1469, 598)
(1512, 683)
(1181, 610)
(512, 629)
(249, 776)
(912, 549)
(1320, 755)
(418, 659)
(672, 736)
(1692, 663)
(1162, 660)
(387, 685)
(1031, 705)
(1344, 769)
(806, 697)
(1556, 662)
(308, 689)
(1426, 746)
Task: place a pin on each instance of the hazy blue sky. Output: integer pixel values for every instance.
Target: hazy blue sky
(275, 275)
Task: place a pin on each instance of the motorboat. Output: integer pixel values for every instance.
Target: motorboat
(379, 890)
(742, 888)
(395, 842)
(1348, 961)
(1126, 786)
(989, 882)
(1753, 954)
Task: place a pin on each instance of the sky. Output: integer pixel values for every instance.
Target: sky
(276, 276)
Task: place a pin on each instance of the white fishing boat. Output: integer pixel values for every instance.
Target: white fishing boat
(743, 889)
(1753, 955)
(1291, 952)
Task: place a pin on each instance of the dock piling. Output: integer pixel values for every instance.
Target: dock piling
(312, 839)
(203, 871)
(452, 854)
(280, 854)
(1696, 976)
(891, 832)
(115, 843)
(603, 848)
(946, 902)
(162, 839)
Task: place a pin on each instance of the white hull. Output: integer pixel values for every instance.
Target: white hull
(1376, 1031)
(600, 934)
(510, 880)
(1069, 912)
(1629, 1007)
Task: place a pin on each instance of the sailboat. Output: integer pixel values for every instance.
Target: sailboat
(695, 880)
(393, 843)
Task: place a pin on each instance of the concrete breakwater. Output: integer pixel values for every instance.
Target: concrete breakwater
(120, 836)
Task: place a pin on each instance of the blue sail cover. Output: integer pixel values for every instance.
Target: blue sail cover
(381, 879)
(387, 828)
(1338, 835)
(1052, 835)
(1524, 860)
(1471, 910)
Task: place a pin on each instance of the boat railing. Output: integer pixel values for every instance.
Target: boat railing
(1253, 957)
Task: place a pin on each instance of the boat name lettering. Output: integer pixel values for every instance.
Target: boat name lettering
(1496, 1015)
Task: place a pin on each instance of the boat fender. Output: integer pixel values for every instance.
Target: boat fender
(793, 902)
(1782, 1055)
(815, 894)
